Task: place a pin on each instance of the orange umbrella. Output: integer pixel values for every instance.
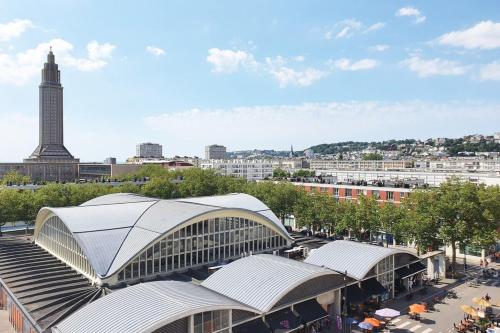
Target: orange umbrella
(417, 308)
(372, 321)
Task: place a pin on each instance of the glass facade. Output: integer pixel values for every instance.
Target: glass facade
(385, 275)
(211, 322)
(55, 237)
(200, 243)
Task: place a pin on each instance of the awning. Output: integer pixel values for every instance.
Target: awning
(355, 295)
(414, 268)
(283, 320)
(310, 311)
(253, 326)
(373, 287)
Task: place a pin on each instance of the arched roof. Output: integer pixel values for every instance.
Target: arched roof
(113, 229)
(145, 307)
(354, 257)
(262, 280)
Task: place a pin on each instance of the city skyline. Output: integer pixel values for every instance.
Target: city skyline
(300, 74)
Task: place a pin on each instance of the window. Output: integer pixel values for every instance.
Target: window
(390, 196)
(201, 243)
(348, 192)
(336, 192)
(376, 194)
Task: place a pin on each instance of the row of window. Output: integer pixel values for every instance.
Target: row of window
(349, 192)
(211, 322)
(203, 242)
(56, 238)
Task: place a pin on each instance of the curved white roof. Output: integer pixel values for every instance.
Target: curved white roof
(145, 307)
(354, 257)
(262, 280)
(113, 229)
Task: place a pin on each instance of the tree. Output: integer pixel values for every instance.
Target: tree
(14, 178)
(372, 157)
(280, 173)
(347, 219)
(10, 205)
(304, 173)
(392, 218)
(159, 187)
(459, 209)
(421, 224)
(488, 233)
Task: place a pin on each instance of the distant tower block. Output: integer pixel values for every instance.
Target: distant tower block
(51, 138)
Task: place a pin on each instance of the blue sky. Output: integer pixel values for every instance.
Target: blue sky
(256, 74)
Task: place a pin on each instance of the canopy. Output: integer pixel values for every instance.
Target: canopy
(373, 287)
(355, 295)
(411, 269)
(387, 313)
(372, 321)
(310, 311)
(283, 320)
(253, 326)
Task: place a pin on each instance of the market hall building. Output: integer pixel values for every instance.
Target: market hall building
(140, 253)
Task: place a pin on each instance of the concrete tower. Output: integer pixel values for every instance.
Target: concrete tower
(51, 138)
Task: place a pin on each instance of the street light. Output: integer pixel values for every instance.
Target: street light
(344, 306)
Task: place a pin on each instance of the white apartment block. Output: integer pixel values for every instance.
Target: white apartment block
(360, 164)
(149, 150)
(248, 169)
(215, 152)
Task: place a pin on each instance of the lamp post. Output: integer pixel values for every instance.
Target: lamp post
(344, 306)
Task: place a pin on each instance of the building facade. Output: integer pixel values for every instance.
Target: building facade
(51, 133)
(150, 237)
(215, 152)
(344, 192)
(248, 169)
(317, 164)
(149, 150)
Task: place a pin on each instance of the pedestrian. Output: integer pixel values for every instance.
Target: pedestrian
(487, 297)
(485, 263)
(481, 263)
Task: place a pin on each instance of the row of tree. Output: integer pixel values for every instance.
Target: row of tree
(456, 213)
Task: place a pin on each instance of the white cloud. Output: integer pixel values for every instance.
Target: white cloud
(156, 51)
(380, 47)
(348, 28)
(345, 64)
(287, 76)
(21, 67)
(411, 12)
(281, 125)
(484, 35)
(13, 29)
(229, 61)
(375, 27)
(436, 66)
(490, 71)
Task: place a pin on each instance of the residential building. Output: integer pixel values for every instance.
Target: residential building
(149, 150)
(215, 152)
(248, 169)
(342, 192)
(318, 164)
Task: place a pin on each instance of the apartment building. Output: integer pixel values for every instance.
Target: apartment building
(248, 169)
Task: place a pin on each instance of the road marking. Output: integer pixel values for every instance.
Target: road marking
(427, 330)
(406, 323)
(414, 328)
(396, 320)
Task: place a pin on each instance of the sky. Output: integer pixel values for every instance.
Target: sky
(249, 74)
